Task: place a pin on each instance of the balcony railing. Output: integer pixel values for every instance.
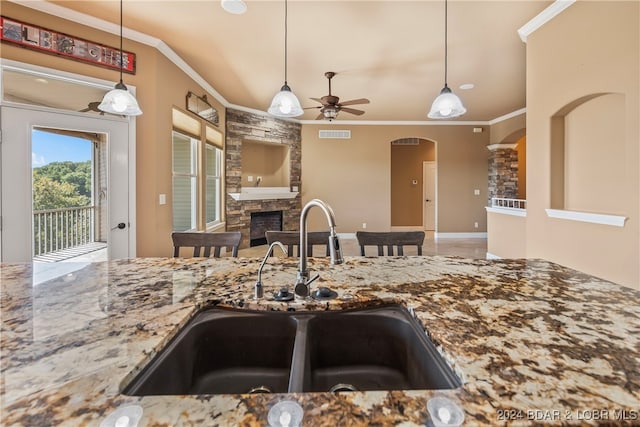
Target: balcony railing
(58, 229)
(501, 202)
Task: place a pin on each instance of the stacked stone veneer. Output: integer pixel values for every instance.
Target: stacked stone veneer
(241, 126)
(503, 173)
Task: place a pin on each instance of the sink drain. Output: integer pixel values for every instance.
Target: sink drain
(342, 387)
(260, 389)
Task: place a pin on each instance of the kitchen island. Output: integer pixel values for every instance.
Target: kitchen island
(532, 342)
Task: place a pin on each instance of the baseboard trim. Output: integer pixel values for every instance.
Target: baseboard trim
(482, 235)
(492, 256)
(407, 228)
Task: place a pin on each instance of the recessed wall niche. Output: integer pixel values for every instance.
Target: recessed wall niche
(588, 137)
(264, 164)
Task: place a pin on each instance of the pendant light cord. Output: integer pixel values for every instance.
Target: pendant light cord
(445, 43)
(285, 41)
(121, 58)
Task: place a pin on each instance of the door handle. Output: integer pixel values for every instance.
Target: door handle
(120, 226)
(427, 200)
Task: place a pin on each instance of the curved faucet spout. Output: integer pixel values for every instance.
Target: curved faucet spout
(258, 290)
(302, 283)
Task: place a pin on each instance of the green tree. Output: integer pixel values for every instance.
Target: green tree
(62, 185)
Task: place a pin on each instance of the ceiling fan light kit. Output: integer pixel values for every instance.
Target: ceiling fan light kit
(447, 105)
(119, 100)
(331, 105)
(285, 103)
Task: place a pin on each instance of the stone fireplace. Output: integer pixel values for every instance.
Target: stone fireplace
(243, 126)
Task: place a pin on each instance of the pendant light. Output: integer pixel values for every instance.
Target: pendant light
(447, 105)
(119, 100)
(285, 103)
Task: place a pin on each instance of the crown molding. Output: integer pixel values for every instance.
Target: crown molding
(507, 116)
(128, 33)
(543, 17)
(171, 55)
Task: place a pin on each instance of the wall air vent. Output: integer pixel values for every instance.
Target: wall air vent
(406, 141)
(334, 134)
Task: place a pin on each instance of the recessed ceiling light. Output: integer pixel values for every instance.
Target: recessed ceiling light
(237, 7)
(41, 80)
(467, 86)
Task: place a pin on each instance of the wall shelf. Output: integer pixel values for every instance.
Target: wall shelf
(264, 193)
(604, 219)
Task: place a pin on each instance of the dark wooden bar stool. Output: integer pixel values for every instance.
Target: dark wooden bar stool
(399, 239)
(198, 240)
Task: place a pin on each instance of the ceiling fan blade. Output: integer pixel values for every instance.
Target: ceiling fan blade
(312, 108)
(320, 116)
(352, 111)
(356, 101)
(84, 110)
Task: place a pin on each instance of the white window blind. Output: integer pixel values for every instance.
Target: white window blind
(184, 182)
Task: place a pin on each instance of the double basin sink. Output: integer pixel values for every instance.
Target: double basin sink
(230, 351)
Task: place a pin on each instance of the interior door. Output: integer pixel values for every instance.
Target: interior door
(429, 195)
(16, 181)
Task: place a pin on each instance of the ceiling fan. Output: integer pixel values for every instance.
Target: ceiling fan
(331, 105)
(92, 106)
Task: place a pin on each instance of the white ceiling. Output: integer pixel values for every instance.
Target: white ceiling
(391, 52)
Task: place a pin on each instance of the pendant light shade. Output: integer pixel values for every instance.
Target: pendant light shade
(285, 103)
(447, 105)
(119, 100)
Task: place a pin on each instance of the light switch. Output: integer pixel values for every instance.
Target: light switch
(162, 199)
(476, 192)
(250, 178)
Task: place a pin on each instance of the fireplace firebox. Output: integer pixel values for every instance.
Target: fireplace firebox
(261, 222)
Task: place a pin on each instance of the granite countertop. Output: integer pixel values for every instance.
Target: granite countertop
(533, 342)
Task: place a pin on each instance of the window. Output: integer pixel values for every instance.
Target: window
(212, 197)
(197, 173)
(184, 182)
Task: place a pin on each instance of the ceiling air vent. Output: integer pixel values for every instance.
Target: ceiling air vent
(334, 134)
(406, 141)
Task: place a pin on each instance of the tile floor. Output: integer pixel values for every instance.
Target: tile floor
(466, 248)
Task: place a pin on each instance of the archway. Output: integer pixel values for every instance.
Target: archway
(412, 195)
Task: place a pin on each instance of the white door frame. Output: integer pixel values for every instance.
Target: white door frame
(131, 154)
(425, 165)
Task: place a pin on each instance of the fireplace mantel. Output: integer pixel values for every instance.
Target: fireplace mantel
(264, 193)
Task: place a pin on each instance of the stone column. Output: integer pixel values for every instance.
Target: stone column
(503, 171)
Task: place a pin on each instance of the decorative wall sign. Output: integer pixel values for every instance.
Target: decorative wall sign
(53, 42)
(200, 106)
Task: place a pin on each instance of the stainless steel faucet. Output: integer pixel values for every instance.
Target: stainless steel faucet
(258, 289)
(302, 282)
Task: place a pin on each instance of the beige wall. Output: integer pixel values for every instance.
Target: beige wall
(406, 166)
(159, 85)
(268, 161)
(354, 176)
(590, 48)
(507, 235)
(508, 131)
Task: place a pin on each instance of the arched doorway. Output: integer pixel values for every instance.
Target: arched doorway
(413, 184)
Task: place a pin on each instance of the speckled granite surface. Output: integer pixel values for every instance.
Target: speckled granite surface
(533, 342)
